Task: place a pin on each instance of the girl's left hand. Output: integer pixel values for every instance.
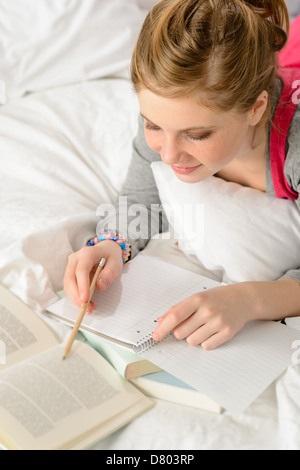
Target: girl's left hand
(209, 318)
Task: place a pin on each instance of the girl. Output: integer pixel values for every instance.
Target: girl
(206, 75)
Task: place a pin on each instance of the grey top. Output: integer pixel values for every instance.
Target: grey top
(140, 188)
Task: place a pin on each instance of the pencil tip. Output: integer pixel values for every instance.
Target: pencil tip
(64, 357)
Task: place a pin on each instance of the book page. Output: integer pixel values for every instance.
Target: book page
(70, 401)
(22, 332)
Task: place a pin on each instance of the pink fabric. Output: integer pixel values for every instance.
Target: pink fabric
(281, 123)
(289, 61)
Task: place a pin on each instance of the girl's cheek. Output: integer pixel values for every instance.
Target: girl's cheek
(152, 142)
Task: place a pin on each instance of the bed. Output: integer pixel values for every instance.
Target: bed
(67, 118)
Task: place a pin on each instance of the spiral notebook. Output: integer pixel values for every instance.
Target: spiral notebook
(233, 375)
(127, 312)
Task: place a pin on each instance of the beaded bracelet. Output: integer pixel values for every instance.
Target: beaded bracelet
(116, 237)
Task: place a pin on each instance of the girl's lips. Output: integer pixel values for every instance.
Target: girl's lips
(185, 170)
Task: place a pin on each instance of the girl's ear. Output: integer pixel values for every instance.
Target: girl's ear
(259, 108)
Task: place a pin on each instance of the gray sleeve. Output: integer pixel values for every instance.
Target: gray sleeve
(137, 213)
(292, 274)
(292, 171)
(292, 162)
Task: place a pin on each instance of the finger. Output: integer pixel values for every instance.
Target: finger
(217, 339)
(70, 281)
(91, 308)
(160, 319)
(201, 334)
(174, 316)
(86, 265)
(111, 270)
(188, 326)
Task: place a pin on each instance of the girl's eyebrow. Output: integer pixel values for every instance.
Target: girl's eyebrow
(196, 128)
(144, 117)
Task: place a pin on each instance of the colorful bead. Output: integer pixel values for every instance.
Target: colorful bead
(116, 237)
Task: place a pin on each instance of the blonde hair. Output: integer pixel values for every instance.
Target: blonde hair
(224, 48)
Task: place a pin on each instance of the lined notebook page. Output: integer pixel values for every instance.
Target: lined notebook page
(233, 375)
(237, 372)
(128, 310)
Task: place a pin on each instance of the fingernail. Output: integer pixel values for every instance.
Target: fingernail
(102, 284)
(155, 337)
(89, 310)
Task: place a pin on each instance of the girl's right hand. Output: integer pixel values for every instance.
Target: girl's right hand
(81, 268)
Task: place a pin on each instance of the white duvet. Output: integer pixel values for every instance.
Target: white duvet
(65, 143)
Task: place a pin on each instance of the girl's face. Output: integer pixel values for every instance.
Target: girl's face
(194, 140)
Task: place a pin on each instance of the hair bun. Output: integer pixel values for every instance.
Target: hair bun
(275, 12)
(280, 38)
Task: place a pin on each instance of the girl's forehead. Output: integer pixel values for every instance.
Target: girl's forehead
(188, 110)
(190, 103)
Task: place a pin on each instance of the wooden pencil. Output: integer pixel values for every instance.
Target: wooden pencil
(83, 309)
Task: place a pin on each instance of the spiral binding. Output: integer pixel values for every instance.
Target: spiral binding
(146, 343)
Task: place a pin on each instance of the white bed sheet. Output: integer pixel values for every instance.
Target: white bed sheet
(60, 158)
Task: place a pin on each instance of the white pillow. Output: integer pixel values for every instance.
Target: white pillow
(241, 232)
(50, 43)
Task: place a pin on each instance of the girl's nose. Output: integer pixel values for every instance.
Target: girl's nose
(171, 151)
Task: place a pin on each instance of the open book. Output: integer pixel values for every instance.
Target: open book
(48, 403)
(232, 375)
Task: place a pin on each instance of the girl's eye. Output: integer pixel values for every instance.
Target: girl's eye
(151, 127)
(198, 137)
